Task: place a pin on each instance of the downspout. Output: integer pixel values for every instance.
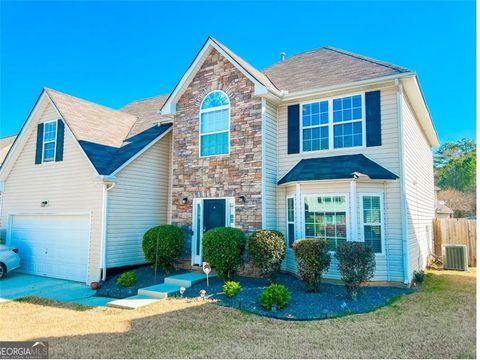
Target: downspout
(403, 197)
(108, 184)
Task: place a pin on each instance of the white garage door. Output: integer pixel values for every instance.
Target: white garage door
(52, 245)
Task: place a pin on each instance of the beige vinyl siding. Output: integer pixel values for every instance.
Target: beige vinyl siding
(269, 176)
(419, 189)
(138, 202)
(69, 186)
(389, 265)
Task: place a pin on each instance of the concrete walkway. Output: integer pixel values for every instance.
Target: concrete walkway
(16, 285)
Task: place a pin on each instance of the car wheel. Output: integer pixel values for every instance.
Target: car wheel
(3, 270)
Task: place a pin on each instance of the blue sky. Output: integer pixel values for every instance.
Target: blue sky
(116, 52)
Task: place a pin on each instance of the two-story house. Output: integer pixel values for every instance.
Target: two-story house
(324, 144)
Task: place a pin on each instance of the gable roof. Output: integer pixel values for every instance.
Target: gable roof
(327, 66)
(5, 144)
(337, 168)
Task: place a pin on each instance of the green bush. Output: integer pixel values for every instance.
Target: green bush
(127, 279)
(356, 264)
(163, 245)
(231, 288)
(275, 294)
(419, 276)
(223, 248)
(267, 250)
(313, 260)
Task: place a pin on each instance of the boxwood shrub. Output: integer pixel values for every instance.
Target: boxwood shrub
(275, 294)
(231, 288)
(266, 249)
(313, 260)
(356, 264)
(223, 248)
(163, 245)
(127, 279)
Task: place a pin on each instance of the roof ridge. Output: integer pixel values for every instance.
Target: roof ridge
(8, 136)
(365, 58)
(144, 99)
(290, 57)
(87, 101)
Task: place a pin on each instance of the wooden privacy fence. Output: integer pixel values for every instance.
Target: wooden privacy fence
(456, 231)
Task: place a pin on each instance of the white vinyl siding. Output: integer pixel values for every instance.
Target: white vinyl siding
(69, 186)
(419, 189)
(387, 155)
(269, 165)
(138, 202)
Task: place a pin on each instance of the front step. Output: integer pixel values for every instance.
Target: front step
(160, 291)
(187, 279)
(133, 302)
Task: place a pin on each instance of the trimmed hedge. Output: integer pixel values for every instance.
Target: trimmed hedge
(168, 240)
(275, 294)
(223, 248)
(312, 260)
(356, 264)
(267, 250)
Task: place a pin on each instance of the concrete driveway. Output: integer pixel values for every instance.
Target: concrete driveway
(16, 285)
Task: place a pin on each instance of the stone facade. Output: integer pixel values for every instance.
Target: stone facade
(240, 172)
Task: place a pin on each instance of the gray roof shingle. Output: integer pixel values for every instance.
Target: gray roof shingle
(326, 66)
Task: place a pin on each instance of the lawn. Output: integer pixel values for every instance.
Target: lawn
(437, 322)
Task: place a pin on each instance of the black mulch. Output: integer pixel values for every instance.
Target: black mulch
(145, 277)
(330, 302)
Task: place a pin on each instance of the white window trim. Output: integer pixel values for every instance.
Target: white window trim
(382, 219)
(347, 211)
(291, 222)
(200, 134)
(50, 141)
(331, 124)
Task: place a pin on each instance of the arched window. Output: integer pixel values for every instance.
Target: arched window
(215, 124)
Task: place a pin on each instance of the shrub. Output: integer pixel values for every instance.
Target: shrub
(231, 288)
(222, 248)
(127, 279)
(267, 250)
(419, 276)
(312, 260)
(163, 245)
(356, 264)
(275, 294)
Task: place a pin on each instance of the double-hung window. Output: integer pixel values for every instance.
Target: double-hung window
(372, 221)
(290, 221)
(326, 218)
(49, 140)
(215, 124)
(333, 124)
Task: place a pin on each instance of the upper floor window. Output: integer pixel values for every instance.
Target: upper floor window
(49, 140)
(215, 124)
(333, 124)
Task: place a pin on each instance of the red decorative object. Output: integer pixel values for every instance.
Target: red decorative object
(94, 285)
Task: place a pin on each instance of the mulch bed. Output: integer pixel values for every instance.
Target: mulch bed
(330, 302)
(145, 277)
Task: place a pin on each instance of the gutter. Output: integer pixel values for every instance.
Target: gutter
(108, 183)
(403, 196)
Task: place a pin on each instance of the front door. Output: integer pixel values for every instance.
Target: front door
(208, 214)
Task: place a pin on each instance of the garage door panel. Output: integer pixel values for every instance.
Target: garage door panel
(52, 245)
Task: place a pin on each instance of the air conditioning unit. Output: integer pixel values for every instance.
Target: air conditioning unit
(455, 257)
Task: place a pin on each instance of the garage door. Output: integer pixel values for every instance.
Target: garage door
(52, 245)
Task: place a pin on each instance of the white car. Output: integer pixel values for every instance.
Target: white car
(9, 260)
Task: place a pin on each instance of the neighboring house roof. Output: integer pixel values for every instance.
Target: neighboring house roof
(5, 144)
(443, 209)
(337, 168)
(108, 137)
(327, 66)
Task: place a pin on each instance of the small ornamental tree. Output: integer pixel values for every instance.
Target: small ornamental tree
(223, 248)
(356, 264)
(163, 245)
(267, 250)
(312, 260)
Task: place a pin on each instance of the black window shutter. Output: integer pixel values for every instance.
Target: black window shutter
(38, 152)
(373, 118)
(60, 136)
(294, 129)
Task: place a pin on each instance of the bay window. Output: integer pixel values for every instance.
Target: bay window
(290, 221)
(372, 221)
